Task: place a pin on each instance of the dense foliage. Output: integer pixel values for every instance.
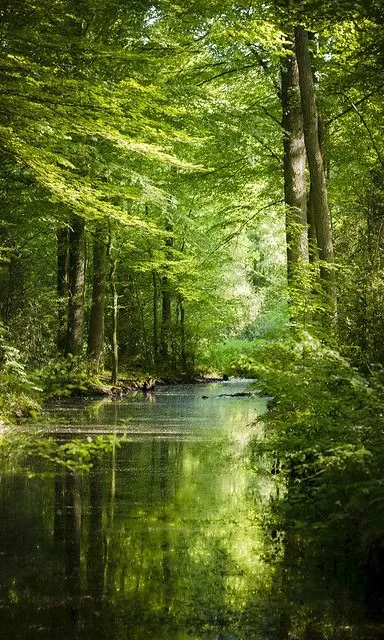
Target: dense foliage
(193, 187)
(324, 439)
(151, 202)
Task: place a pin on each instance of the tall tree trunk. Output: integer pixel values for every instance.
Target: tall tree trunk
(312, 237)
(155, 297)
(166, 301)
(76, 282)
(315, 162)
(115, 344)
(115, 310)
(96, 325)
(62, 235)
(182, 333)
(165, 318)
(155, 320)
(295, 192)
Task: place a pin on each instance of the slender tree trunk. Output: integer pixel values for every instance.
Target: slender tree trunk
(155, 320)
(182, 333)
(315, 161)
(295, 192)
(165, 318)
(155, 297)
(76, 283)
(96, 325)
(115, 344)
(62, 236)
(115, 311)
(166, 302)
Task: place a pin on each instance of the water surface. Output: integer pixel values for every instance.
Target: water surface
(160, 540)
(181, 532)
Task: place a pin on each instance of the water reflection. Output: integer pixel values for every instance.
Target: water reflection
(179, 411)
(180, 533)
(160, 540)
(322, 579)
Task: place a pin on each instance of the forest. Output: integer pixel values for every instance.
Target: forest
(180, 182)
(196, 189)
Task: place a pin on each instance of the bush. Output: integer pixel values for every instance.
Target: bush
(65, 377)
(325, 438)
(19, 397)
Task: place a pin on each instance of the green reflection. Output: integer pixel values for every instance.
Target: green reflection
(178, 535)
(159, 540)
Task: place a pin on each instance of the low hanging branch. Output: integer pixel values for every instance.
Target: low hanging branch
(228, 71)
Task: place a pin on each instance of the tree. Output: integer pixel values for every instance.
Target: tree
(166, 296)
(76, 286)
(96, 324)
(295, 187)
(319, 196)
(62, 234)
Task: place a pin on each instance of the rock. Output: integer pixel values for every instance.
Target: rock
(239, 394)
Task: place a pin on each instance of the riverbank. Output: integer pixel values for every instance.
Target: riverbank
(66, 382)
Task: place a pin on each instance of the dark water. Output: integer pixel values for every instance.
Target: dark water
(160, 540)
(171, 536)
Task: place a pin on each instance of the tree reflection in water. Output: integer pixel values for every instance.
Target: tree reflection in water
(157, 541)
(169, 538)
(322, 579)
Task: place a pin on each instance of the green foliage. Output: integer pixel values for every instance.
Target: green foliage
(19, 397)
(65, 377)
(272, 322)
(13, 376)
(76, 454)
(21, 449)
(324, 435)
(234, 357)
(167, 122)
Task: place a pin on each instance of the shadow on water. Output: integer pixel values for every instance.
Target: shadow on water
(179, 533)
(328, 579)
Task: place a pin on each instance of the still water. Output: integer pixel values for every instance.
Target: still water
(161, 540)
(179, 532)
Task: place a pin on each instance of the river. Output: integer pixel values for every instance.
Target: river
(172, 535)
(161, 539)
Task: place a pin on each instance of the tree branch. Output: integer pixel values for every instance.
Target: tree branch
(224, 73)
(241, 226)
(352, 107)
(365, 124)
